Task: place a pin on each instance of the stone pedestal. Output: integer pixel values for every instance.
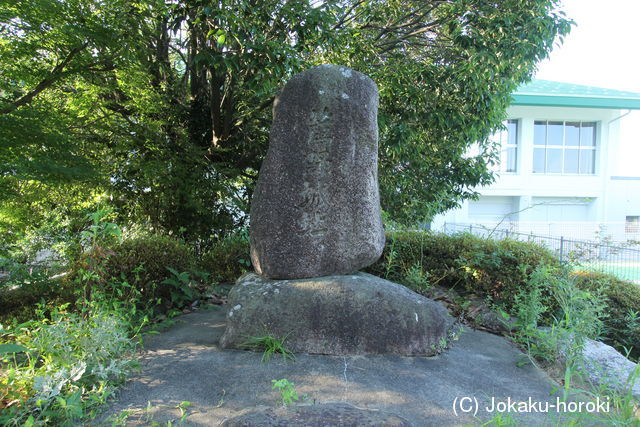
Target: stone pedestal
(351, 314)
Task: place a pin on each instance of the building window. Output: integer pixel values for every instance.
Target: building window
(564, 147)
(508, 143)
(632, 224)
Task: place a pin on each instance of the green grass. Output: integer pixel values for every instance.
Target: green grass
(269, 345)
(623, 270)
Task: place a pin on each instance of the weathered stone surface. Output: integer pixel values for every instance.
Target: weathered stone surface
(605, 366)
(330, 414)
(354, 314)
(600, 365)
(316, 208)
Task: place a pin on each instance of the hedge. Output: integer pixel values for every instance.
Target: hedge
(470, 264)
(622, 326)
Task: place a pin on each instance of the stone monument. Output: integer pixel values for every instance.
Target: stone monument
(315, 221)
(316, 207)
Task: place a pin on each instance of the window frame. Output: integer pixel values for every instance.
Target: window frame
(632, 224)
(502, 137)
(564, 147)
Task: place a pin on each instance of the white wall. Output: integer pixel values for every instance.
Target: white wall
(629, 142)
(624, 197)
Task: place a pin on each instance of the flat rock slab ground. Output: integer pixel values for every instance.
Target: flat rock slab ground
(185, 363)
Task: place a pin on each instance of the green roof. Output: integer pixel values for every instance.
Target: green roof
(557, 94)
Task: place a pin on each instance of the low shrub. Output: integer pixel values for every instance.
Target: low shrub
(470, 264)
(152, 265)
(24, 288)
(228, 258)
(418, 260)
(506, 271)
(622, 325)
(66, 339)
(153, 254)
(141, 270)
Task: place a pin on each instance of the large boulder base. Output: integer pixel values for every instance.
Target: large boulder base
(316, 208)
(353, 314)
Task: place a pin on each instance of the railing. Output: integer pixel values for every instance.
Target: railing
(621, 260)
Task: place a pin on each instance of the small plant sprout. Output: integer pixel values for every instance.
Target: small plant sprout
(416, 277)
(287, 391)
(269, 345)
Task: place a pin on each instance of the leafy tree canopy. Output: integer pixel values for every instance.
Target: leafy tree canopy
(165, 105)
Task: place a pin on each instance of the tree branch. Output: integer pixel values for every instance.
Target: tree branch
(56, 74)
(345, 17)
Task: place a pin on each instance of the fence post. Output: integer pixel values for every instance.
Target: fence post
(561, 247)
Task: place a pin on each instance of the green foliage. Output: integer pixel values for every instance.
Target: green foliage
(26, 287)
(184, 290)
(530, 303)
(576, 315)
(11, 348)
(60, 364)
(495, 268)
(580, 314)
(622, 325)
(269, 345)
(143, 262)
(443, 90)
(287, 390)
(67, 366)
(152, 274)
(100, 232)
(51, 52)
(416, 277)
(228, 258)
(580, 311)
(155, 253)
(32, 219)
(164, 107)
(500, 420)
(524, 279)
(95, 240)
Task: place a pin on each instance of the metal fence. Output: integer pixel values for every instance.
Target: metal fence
(618, 259)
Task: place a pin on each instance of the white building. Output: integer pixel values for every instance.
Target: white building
(559, 174)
